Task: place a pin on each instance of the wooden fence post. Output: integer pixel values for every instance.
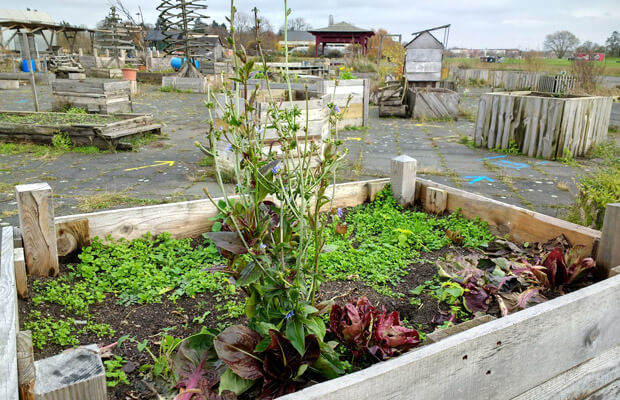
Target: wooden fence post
(21, 282)
(608, 255)
(402, 178)
(25, 365)
(436, 200)
(36, 218)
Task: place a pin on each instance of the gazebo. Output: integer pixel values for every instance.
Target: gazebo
(341, 32)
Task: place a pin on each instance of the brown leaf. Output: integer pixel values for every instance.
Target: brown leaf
(229, 241)
(455, 237)
(235, 346)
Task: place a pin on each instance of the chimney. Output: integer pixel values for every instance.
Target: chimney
(331, 20)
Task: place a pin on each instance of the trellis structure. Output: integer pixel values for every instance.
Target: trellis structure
(177, 19)
(116, 37)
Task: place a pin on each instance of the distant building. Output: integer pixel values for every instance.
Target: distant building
(423, 58)
(343, 33)
(298, 39)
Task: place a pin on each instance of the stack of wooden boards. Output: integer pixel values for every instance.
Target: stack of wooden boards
(93, 95)
(391, 100)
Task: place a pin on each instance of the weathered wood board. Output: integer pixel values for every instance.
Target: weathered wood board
(358, 90)
(432, 103)
(191, 218)
(105, 136)
(8, 319)
(541, 125)
(93, 95)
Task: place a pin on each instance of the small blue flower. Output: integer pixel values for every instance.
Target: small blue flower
(221, 128)
(263, 246)
(289, 315)
(339, 212)
(229, 147)
(259, 130)
(337, 109)
(276, 169)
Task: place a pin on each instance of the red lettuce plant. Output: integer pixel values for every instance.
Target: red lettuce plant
(559, 269)
(364, 330)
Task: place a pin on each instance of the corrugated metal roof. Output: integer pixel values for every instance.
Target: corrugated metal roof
(25, 16)
(340, 27)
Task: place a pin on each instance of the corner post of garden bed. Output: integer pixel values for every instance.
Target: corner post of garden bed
(402, 178)
(608, 255)
(36, 219)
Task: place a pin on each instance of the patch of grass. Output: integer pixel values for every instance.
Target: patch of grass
(512, 149)
(567, 159)
(206, 161)
(142, 140)
(107, 200)
(8, 213)
(386, 239)
(170, 89)
(467, 141)
(598, 188)
(62, 141)
(6, 187)
(57, 119)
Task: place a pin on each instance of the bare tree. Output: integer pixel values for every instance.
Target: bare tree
(561, 42)
(243, 22)
(298, 24)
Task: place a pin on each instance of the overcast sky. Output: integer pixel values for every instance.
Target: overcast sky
(475, 23)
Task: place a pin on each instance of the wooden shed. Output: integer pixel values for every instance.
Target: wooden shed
(423, 58)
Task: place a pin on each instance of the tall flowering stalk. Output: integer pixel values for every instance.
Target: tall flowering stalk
(271, 230)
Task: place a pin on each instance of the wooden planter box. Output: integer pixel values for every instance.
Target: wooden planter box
(106, 136)
(359, 89)
(431, 103)
(106, 73)
(318, 114)
(564, 348)
(542, 125)
(92, 95)
(196, 85)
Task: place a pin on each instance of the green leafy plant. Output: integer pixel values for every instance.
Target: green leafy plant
(114, 373)
(162, 366)
(62, 141)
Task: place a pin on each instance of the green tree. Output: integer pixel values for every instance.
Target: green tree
(613, 44)
(560, 42)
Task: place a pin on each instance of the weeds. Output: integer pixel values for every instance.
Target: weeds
(107, 200)
(387, 239)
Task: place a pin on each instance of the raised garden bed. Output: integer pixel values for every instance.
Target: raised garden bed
(93, 95)
(103, 131)
(317, 115)
(542, 124)
(485, 359)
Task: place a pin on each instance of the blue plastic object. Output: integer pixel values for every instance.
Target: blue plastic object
(25, 66)
(176, 63)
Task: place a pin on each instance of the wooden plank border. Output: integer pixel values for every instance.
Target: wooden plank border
(8, 319)
(191, 218)
(501, 359)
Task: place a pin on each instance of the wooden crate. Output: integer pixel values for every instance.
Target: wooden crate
(106, 136)
(359, 91)
(318, 114)
(431, 103)
(92, 95)
(542, 125)
(564, 348)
